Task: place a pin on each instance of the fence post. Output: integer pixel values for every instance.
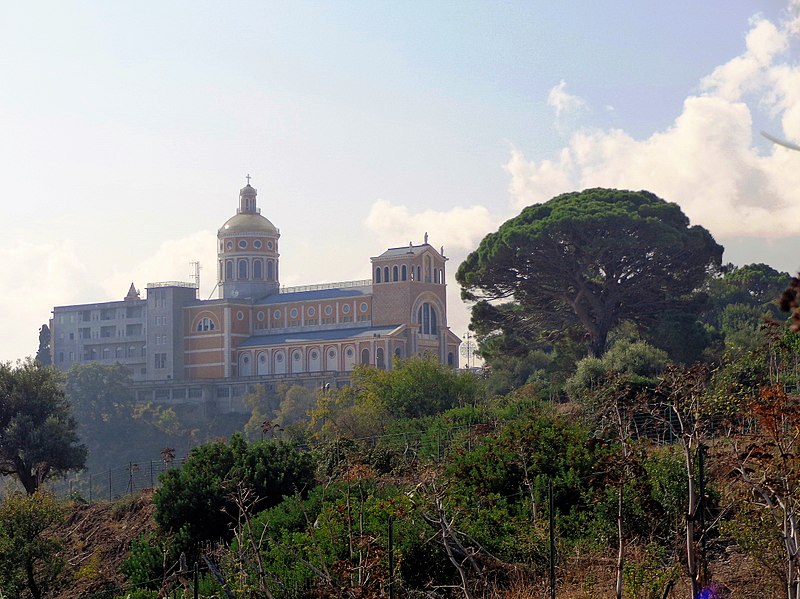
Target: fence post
(391, 557)
(552, 539)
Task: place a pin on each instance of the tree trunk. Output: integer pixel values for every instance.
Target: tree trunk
(691, 513)
(621, 541)
(32, 586)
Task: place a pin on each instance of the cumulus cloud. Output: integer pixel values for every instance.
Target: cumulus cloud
(170, 262)
(566, 106)
(39, 272)
(706, 160)
(463, 228)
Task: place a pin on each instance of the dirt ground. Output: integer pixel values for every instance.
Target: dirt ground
(96, 538)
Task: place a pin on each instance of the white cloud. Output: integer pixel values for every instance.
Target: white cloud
(706, 160)
(563, 102)
(38, 272)
(567, 106)
(170, 262)
(463, 228)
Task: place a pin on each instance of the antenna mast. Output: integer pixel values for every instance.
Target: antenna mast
(195, 274)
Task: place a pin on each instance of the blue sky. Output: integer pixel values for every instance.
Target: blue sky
(126, 130)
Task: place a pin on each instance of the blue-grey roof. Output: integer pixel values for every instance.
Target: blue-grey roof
(314, 295)
(318, 335)
(405, 250)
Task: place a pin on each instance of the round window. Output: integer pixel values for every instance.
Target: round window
(364, 306)
(277, 314)
(314, 355)
(279, 358)
(349, 353)
(311, 311)
(262, 358)
(293, 313)
(296, 356)
(257, 244)
(346, 309)
(240, 315)
(328, 310)
(332, 354)
(246, 360)
(260, 315)
(229, 245)
(269, 244)
(242, 244)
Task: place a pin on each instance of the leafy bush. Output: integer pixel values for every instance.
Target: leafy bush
(198, 498)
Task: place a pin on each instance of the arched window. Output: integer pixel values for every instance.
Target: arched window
(205, 324)
(419, 274)
(229, 270)
(394, 273)
(365, 356)
(270, 271)
(451, 361)
(386, 273)
(435, 275)
(428, 277)
(380, 362)
(258, 268)
(403, 273)
(242, 270)
(378, 275)
(426, 317)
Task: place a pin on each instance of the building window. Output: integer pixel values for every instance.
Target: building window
(242, 244)
(258, 269)
(380, 362)
(257, 244)
(394, 273)
(364, 307)
(229, 245)
(229, 270)
(160, 361)
(293, 313)
(365, 356)
(403, 273)
(314, 355)
(378, 275)
(310, 310)
(240, 315)
(205, 324)
(276, 314)
(386, 273)
(270, 273)
(346, 309)
(260, 315)
(419, 274)
(269, 244)
(242, 270)
(426, 317)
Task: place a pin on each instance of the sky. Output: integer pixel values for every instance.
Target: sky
(127, 130)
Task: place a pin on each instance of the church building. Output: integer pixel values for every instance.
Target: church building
(257, 330)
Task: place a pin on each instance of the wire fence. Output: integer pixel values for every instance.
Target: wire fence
(405, 449)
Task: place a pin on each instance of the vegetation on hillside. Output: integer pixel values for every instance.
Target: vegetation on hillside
(643, 437)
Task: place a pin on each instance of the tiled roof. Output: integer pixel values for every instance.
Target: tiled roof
(316, 294)
(403, 251)
(318, 335)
